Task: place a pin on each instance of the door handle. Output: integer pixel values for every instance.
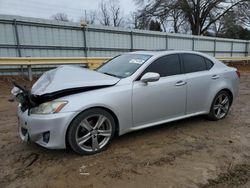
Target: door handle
(215, 76)
(180, 83)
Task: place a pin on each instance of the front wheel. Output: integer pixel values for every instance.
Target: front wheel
(220, 106)
(91, 131)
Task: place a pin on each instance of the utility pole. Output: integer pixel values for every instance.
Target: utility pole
(85, 15)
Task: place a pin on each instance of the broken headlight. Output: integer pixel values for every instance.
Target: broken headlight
(48, 107)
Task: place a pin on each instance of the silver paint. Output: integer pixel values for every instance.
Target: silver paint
(136, 104)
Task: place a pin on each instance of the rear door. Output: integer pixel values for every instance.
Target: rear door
(163, 99)
(199, 82)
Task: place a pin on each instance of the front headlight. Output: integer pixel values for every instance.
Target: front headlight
(48, 107)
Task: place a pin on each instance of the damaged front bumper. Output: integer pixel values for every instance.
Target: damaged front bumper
(48, 127)
(46, 130)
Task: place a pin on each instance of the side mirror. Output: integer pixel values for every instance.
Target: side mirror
(150, 77)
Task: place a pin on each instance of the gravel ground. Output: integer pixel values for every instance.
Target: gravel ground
(190, 153)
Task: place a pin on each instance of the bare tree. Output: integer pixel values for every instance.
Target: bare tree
(115, 13)
(143, 21)
(89, 17)
(203, 13)
(243, 12)
(217, 27)
(165, 12)
(133, 21)
(177, 19)
(60, 16)
(200, 14)
(110, 13)
(104, 14)
(92, 17)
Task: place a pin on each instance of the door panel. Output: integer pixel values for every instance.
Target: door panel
(198, 91)
(199, 82)
(160, 100)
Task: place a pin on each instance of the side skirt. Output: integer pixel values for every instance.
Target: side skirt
(160, 122)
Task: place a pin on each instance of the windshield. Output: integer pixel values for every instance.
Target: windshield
(124, 65)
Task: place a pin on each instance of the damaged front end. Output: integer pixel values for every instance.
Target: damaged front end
(24, 97)
(60, 82)
(28, 100)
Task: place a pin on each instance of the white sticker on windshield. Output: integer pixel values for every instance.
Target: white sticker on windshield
(137, 61)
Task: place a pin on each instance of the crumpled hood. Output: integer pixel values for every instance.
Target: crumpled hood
(69, 77)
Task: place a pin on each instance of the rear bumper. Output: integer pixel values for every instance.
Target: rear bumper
(46, 130)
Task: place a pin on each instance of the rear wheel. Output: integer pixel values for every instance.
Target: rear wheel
(91, 131)
(220, 106)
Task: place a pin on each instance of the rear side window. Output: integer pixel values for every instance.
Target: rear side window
(193, 63)
(165, 66)
(209, 64)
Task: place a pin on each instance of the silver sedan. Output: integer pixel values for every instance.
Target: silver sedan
(84, 109)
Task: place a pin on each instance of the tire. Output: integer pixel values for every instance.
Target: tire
(91, 131)
(220, 106)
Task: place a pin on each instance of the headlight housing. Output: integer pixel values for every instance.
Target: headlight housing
(48, 107)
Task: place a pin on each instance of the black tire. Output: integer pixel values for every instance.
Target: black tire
(213, 114)
(76, 127)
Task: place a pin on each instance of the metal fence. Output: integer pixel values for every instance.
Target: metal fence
(32, 37)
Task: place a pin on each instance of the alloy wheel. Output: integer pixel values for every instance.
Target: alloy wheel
(221, 105)
(93, 133)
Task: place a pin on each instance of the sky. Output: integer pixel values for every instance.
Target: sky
(46, 8)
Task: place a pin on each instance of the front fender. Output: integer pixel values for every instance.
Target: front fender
(117, 99)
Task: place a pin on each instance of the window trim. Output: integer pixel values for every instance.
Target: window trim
(180, 63)
(204, 59)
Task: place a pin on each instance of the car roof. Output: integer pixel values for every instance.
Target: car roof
(159, 53)
(164, 52)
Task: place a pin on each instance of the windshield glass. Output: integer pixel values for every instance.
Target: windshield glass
(124, 65)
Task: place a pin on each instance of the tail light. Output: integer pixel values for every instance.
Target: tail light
(238, 73)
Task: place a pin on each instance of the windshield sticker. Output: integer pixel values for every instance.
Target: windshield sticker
(137, 61)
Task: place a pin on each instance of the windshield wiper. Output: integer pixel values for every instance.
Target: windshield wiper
(111, 74)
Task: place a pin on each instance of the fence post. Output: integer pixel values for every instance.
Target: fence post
(131, 41)
(166, 41)
(247, 48)
(192, 43)
(214, 47)
(232, 48)
(17, 38)
(18, 43)
(29, 72)
(85, 41)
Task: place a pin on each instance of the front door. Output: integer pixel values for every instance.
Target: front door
(163, 99)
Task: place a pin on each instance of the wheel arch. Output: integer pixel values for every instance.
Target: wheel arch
(222, 89)
(230, 94)
(210, 115)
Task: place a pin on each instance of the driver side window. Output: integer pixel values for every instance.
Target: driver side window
(166, 66)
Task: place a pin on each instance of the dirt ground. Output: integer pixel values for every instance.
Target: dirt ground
(190, 153)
